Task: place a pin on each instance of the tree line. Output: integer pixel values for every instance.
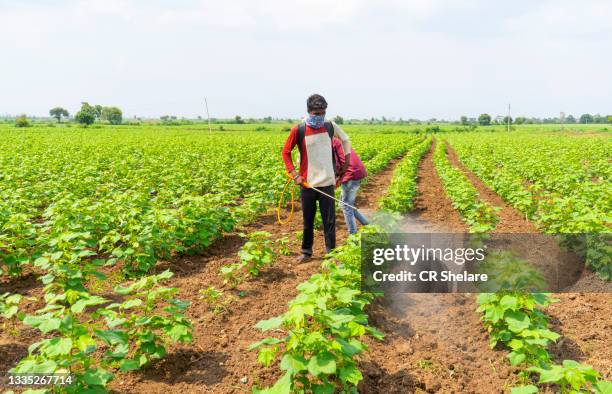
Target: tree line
(87, 115)
(486, 120)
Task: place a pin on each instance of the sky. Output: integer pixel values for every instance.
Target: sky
(369, 58)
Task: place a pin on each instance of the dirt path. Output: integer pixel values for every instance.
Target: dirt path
(432, 209)
(434, 342)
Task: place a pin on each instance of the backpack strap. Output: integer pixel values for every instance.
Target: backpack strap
(301, 136)
(330, 131)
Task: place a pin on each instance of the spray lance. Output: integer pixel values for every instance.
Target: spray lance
(306, 185)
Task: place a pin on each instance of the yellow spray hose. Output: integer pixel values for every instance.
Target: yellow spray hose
(305, 184)
(281, 201)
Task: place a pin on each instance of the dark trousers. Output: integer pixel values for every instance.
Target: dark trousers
(327, 206)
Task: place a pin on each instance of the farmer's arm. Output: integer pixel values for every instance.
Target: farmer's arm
(289, 145)
(346, 146)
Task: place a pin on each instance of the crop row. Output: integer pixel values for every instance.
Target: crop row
(514, 317)
(478, 215)
(325, 322)
(137, 197)
(402, 189)
(323, 328)
(581, 206)
(88, 336)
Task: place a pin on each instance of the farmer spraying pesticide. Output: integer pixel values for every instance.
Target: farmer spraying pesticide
(316, 174)
(350, 180)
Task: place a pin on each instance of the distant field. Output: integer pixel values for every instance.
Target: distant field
(360, 127)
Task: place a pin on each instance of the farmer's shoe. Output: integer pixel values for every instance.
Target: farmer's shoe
(304, 258)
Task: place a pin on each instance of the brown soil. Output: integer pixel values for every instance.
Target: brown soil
(218, 360)
(431, 205)
(583, 320)
(435, 342)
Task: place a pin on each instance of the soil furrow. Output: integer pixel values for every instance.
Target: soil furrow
(434, 342)
(510, 220)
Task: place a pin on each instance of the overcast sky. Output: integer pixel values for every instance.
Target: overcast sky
(421, 59)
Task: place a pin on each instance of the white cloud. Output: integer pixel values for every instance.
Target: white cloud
(439, 58)
(565, 19)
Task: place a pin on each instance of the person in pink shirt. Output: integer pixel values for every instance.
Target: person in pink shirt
(350, 180)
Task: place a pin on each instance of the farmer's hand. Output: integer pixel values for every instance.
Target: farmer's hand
(299, 180)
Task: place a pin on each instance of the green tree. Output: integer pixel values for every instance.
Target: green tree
(58, 112)
(507, 119)
(112, 114)
(464, 120)
(238, 119)
(267, 119)
(599, 119)
(570, 119)
(98, 109)
(609, 118)
(339, 119)
(586, 118)
(520, 120)
(22, 121)
(484, 119)
(86, 115)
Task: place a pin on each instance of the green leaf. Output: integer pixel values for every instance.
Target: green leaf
(129, 365)
(265, 341)
(57, 347)
(112, 337)
(98, 377)
(81, 304)
(516, 358)
(42, 262)
(282, 386)
(180, 333)
(293, 364)
(350, 374)
(551, 375)
(351, 347)
(530, 389)
(517, 321)
(508, 302)
(46, 367)
(322, 363)
(270, 324)
(345, 294)
(267, 355)
(603, 387)
(45, 323)
(86, 344)
(326, 388)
